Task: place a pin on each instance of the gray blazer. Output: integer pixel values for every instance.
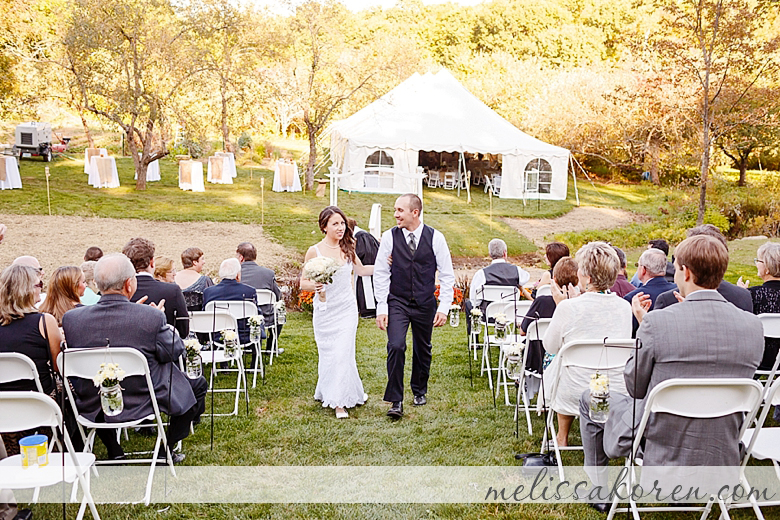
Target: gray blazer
(125, 324)
(260, 278)
(704, 336)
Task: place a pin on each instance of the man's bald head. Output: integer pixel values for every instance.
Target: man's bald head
(112, 271)
(29, 261)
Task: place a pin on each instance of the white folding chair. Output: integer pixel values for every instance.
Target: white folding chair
(514, 311)
(694, 398)
(493, 293)
(15, 367)
(535, 331)
(762, 443)
(241, 309)
(25, 411)
(544, 290)
(449, 181)
(267, 297)
(597, 355)
(212, 323)
(496, 185)
(84, 363)
(771, 324)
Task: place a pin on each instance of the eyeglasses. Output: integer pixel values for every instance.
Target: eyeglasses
(756, 260)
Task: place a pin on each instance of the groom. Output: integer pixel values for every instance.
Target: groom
(405, 296)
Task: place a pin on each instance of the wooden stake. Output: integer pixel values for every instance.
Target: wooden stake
(48, 194)
(262, 201)
(490, 196)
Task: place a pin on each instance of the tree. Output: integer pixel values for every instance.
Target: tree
(722, 46)
(129, 58)
(329, 68)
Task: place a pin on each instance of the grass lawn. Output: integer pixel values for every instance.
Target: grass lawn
(290, 218)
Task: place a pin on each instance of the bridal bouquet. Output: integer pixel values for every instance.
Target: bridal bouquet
(320, 269)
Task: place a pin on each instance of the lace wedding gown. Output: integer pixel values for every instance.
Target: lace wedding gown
(335, 327)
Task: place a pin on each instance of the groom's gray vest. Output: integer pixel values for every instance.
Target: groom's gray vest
(413, 279)
(501, 273)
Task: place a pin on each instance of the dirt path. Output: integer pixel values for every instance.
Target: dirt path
(61, 240)
(578, 219)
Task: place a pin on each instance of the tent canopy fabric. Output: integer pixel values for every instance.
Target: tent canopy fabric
(434, 112)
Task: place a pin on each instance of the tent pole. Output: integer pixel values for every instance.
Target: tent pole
(574, 176)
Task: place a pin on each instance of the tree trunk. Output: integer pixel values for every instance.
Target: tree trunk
(742, 173)
(140, 168)
(312, 157)
(86, 128)
(655, 161)
(704, 175)
(225, 129)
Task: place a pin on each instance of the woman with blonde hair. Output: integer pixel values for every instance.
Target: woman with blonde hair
(66, 287)
(164, 269)
(766, 297)
(26, 331)
(586, 311)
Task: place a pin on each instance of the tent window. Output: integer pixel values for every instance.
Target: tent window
(538, 176)
(375, 178)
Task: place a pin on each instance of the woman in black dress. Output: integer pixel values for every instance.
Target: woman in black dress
(766, 297)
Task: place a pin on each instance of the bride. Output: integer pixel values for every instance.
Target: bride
(336, 318)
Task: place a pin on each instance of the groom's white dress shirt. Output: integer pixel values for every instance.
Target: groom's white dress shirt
(443, 265)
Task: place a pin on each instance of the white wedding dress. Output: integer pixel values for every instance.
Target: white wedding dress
(335, 327)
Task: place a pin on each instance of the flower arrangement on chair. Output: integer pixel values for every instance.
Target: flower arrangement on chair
(194, 363)
(107, 380)
(230, 339)
(599, 397)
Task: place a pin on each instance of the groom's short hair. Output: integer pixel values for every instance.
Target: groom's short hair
(414, 202)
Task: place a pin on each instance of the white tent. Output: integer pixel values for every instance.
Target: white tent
(435, 112)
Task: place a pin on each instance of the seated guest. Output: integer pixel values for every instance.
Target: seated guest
(596, 313)
(190, 279)
(564, 275)
(553, 252)
(164, 270)
(662, 245)
(499, 272)
(700, 337)
(167, 295)
(31, 261)
(91, 295)
(26, 331)
(739, 296)
(259, 277)
(651, 271)
(66, 287)
(143, 327)
(766, 297)
(93, 253)
(230, 288)
(622, 285)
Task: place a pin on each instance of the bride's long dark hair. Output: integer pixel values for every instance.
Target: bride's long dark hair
(347, 242)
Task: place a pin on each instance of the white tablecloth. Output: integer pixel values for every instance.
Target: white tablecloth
(100, 151)
(152, 172)
(109, 166)
(195, 182)
(229, 155)
(12, 179)
(213, 176)
(286, 176)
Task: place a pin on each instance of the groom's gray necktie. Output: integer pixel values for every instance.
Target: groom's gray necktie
(412, 243)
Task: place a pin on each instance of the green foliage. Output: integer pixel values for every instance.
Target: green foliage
(245, 141)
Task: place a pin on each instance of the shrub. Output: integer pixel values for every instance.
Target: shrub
(245, 141)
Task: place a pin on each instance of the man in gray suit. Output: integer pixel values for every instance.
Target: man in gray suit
(703, 336)
(120, 323)
(260, 278)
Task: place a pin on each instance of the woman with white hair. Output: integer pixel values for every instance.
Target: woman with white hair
(766, 297)
(587, 311)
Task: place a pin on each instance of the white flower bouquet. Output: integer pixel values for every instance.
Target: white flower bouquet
(320, 269)
(107, 380)
(280, 308)
(514, 349)
(476, 321)
(230, 339)
(256, 321)
(501, 322)
(193, 366)
(599, 397)
(476, 312)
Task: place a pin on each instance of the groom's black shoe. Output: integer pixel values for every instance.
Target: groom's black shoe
(420, 400)
(396, 411)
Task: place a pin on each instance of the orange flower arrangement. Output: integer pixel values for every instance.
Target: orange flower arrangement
(306, 300)
(457, 298)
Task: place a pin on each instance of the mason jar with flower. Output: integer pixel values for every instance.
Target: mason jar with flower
(107, 380)
(599, 397)
(230, 340)
(194, 363)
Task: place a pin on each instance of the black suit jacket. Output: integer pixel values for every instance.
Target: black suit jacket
(175, 306)
(732, 293)
(126, 324)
